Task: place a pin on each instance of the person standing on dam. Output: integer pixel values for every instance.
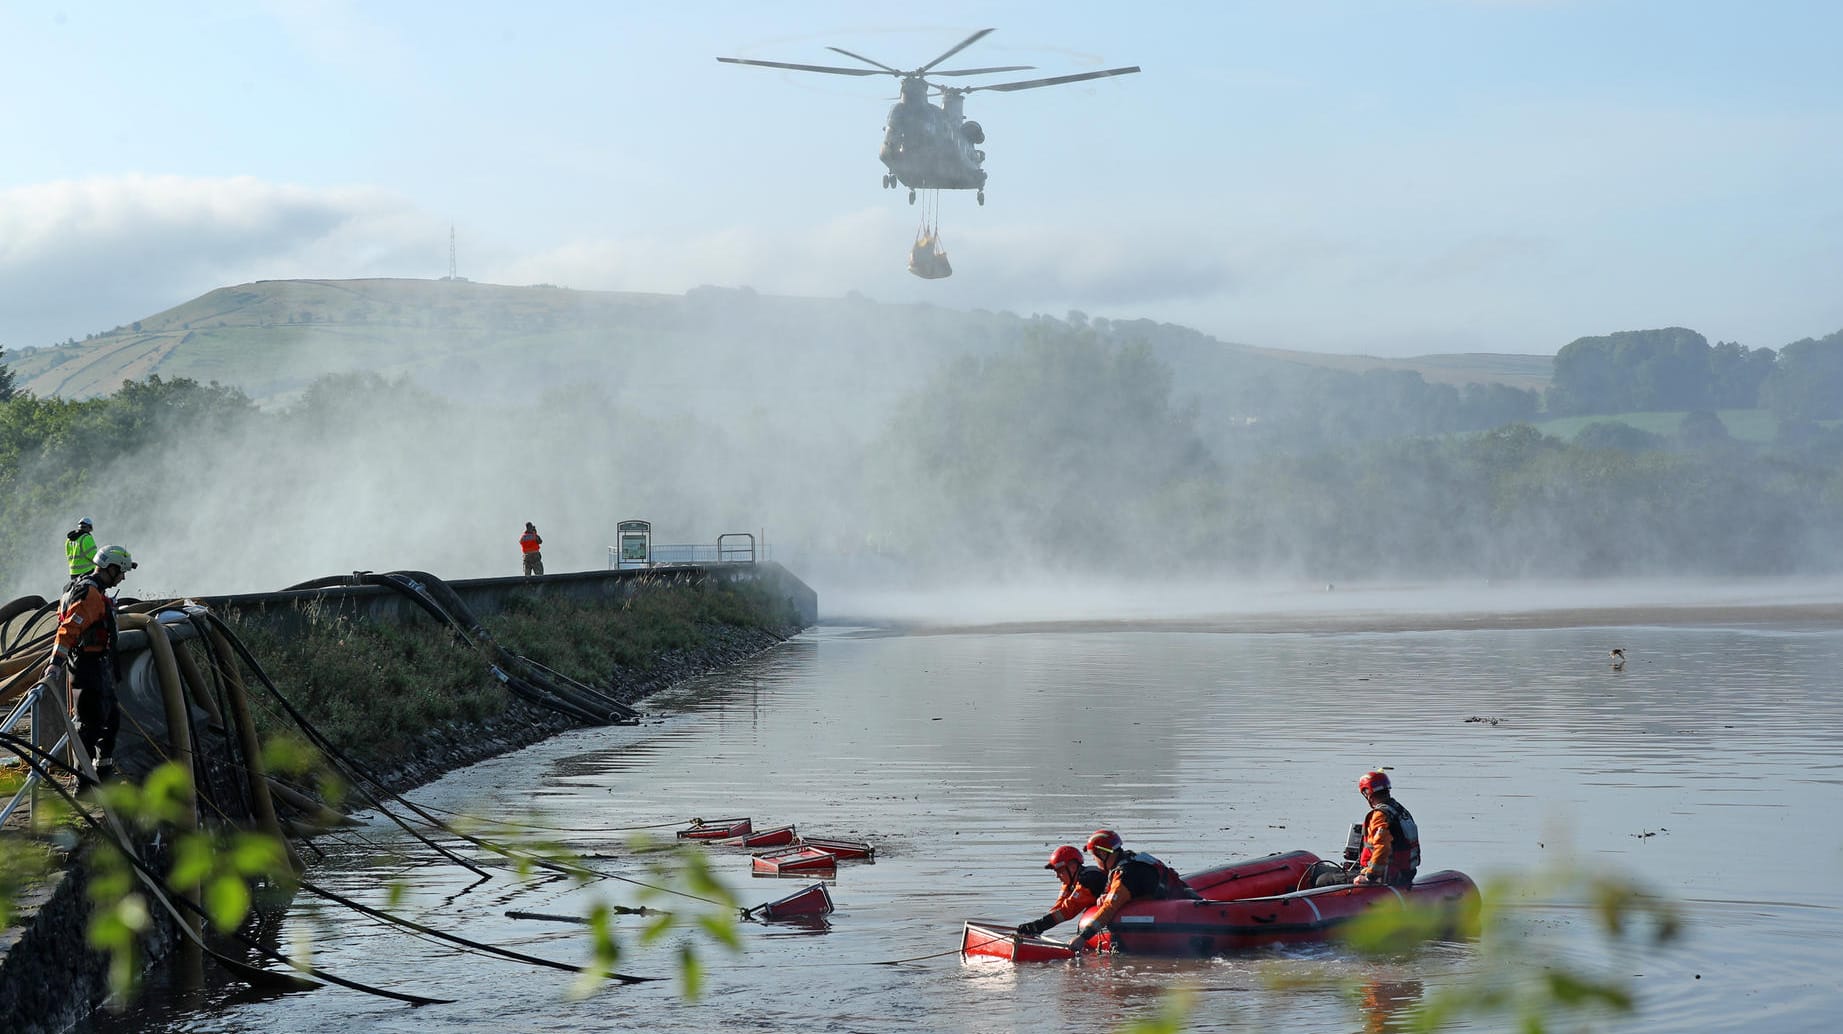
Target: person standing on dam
(80, 549)
(528, 543)
(85, 648)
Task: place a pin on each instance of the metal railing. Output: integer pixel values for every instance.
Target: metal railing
(26, 705)
(737, 547)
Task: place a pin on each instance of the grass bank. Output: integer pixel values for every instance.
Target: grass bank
(385, 693)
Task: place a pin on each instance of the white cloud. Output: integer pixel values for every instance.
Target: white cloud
(85, 255)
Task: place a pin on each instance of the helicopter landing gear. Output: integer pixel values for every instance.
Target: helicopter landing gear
(980, 197)
(888, 182)
(911, 196)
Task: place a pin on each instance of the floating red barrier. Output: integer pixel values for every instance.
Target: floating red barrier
(795, 861)
(852, 850)
(779, 836)
(983, 937)
(812, 901)
(715, 829)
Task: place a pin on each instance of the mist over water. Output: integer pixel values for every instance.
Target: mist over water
(966, 756)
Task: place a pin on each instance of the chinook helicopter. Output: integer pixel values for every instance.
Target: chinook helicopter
(928, 146)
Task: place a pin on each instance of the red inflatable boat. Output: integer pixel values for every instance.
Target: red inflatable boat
(1245, 905)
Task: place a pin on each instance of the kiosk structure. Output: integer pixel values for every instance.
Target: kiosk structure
(633, 545)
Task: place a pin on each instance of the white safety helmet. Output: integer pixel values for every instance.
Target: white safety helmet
(115, 556)
(85, 522)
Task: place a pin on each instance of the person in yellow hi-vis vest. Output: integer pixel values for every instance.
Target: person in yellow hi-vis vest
(80, 549)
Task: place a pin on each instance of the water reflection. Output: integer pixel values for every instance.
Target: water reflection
(965, 758)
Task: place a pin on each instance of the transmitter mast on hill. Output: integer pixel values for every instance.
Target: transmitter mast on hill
(453, 274)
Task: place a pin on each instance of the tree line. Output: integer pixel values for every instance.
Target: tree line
(1065, 447)
(1677, 369)
(1070, 451)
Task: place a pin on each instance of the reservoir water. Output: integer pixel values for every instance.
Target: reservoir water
(1708, 769)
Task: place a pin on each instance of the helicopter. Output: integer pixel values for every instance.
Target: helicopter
(928, 146)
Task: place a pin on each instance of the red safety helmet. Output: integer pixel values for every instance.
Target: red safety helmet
(1104, 842)
(1064, 855)
(1373, 781)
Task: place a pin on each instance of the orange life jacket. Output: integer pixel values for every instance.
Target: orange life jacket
(86, 618)
(1403, 850)
(529, 542)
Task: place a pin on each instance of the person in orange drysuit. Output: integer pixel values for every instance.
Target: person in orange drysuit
(1131, 876)
(528, 544)
(1082, 885)
(1391, 851)
(84, 653)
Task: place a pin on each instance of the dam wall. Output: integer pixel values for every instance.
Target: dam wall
(488, 596)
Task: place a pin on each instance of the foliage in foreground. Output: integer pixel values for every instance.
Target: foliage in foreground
(225, 870)
(1519, 977)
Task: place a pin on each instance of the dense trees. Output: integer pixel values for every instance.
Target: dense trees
(1807, 381)
(1073, 452)
(1675, 370)
(1084, 447)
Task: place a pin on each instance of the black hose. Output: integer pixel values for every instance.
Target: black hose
(429, 931)
(360, 773)
(326, 746)
(34, 758)
(43, 638)
(585, 705)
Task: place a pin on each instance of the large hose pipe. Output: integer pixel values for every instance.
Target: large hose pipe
(179, 737)
(237, 696)
(200, 690)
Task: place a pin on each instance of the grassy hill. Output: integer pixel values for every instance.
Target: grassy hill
(273, 337)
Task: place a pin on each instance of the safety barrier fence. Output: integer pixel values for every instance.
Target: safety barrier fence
(732, 548)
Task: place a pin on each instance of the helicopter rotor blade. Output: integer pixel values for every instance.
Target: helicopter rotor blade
(1031, 84)
(860, 57)
(985, 71)
(805, 68)
(962, 45)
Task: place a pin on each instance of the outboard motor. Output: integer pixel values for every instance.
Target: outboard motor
(1353, 845)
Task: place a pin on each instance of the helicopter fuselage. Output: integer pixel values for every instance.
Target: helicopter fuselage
(931, 147)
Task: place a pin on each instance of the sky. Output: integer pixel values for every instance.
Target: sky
(1387, 177)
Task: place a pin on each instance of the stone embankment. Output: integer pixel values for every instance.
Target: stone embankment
(450, 747)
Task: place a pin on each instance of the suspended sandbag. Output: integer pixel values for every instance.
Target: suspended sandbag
(927, 259)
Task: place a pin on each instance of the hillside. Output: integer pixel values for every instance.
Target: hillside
(272, 338)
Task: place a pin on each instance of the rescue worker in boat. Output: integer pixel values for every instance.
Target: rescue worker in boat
(1390, 851)
(1082, 886)
(84, 653)
(80, 549)
(528, 544)
(1131, 876)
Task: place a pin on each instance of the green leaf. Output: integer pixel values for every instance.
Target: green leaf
(691, 971)
(227, 900)
(721, 927)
